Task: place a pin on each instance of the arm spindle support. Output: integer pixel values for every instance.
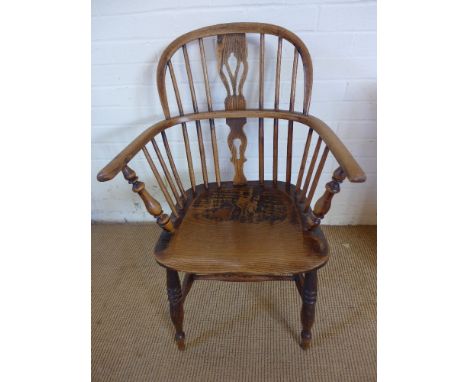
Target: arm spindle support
(322, 206)
(151, 204)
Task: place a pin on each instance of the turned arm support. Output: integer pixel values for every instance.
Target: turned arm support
(151, 204)
(323, 204)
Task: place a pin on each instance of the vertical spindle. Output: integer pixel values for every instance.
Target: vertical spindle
(188, 152)
(261, 154)
(292, 99)
(214, 142)
(201, 146)
(275, 122)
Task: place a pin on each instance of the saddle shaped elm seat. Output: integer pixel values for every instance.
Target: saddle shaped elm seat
(249, 229)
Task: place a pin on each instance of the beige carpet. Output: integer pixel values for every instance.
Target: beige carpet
(234, 331)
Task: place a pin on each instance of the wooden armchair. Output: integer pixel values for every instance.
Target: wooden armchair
(238, 230)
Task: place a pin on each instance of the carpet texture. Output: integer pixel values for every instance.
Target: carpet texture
(234, 331)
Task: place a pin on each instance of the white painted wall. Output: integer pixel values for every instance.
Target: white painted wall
(129, 36)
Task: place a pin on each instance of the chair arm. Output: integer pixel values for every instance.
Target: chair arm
(350, 166)
(121, 160)
(347, 162)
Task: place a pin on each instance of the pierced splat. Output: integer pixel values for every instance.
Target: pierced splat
(232, 68)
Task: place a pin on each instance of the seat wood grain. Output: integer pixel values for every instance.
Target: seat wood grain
(252, 229)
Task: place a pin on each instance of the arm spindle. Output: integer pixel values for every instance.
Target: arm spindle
(167, 173)
(316, 178)
(311, 169)
(173, 166)
(151, 204)
(304, 160)
(160, 181)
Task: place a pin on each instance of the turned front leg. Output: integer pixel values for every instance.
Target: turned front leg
(174, 293)
(309, 299)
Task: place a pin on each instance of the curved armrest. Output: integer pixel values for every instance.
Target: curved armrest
(349, 165)
(121, 159)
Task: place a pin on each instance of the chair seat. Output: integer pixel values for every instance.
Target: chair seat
(251, 229)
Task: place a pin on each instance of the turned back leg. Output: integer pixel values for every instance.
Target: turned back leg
(309, 299)
(174, 294)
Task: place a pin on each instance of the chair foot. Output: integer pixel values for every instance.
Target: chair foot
(306, 337)
(309, 299)
(180, 340)
(176, 306)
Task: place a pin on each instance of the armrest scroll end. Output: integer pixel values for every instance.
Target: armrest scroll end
(359, 177)
(102, 176)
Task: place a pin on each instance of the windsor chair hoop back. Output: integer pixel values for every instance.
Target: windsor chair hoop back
(238, 229)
